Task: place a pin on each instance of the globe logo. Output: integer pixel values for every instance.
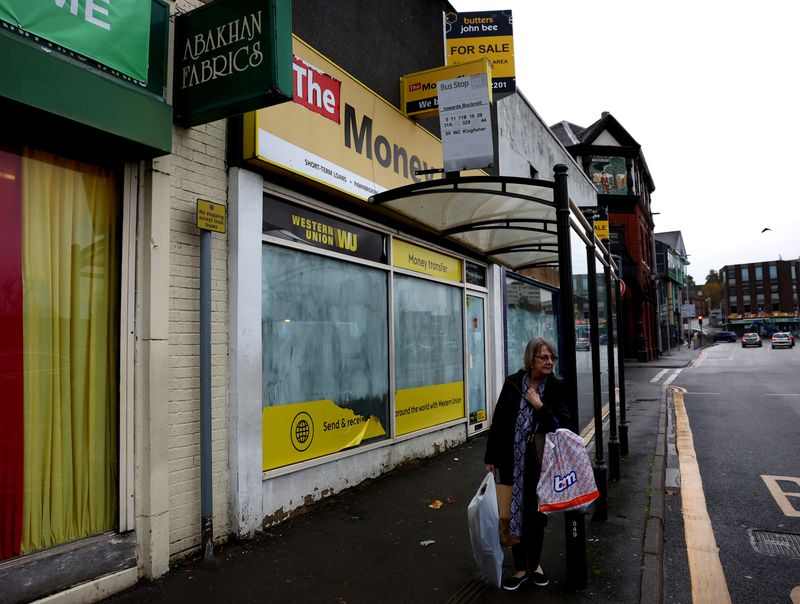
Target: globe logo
(302, 431)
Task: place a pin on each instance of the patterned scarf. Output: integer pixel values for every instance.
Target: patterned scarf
(522, 431)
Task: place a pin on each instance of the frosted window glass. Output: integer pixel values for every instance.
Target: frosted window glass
(325, 332)
(428, 332)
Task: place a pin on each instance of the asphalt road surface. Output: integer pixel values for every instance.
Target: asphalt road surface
(741, 413)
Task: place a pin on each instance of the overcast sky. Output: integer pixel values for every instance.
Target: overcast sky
(708, 89)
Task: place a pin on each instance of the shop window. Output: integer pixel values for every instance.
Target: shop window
(428, 353)
(60, 258)
(325, 357)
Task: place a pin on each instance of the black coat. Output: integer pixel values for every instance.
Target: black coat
(500, 444)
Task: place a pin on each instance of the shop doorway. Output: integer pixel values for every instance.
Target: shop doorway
(476, 363)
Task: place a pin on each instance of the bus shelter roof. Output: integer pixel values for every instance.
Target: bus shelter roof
(510, 220)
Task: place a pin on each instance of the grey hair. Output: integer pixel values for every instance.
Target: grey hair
(534, 348)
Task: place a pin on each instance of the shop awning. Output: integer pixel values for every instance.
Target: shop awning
(511, 220)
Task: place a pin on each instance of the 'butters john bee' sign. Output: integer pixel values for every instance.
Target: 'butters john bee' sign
(232, 56)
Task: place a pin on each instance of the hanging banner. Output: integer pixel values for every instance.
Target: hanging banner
(488, 34)
(301, 431)
(232, 56)
(115, 34)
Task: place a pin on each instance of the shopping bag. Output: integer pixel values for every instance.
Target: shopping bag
(504, 510)
(484, 521)
(567, 479)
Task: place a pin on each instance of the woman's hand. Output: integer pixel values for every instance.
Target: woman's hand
(533, 398)
(489, 468)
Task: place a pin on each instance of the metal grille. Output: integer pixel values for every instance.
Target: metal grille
(776, 544)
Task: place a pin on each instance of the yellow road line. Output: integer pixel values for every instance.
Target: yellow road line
(588, 431)
(705, 568)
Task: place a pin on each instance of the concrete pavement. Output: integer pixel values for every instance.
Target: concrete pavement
(381, 542)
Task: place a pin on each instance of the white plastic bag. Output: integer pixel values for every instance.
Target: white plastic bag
(484, 531)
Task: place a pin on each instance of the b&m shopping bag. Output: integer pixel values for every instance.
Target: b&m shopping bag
(484, 531)
(567, 479)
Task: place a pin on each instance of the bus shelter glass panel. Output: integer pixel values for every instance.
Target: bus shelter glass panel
(583, 355)
(602, 319)
(529, 314)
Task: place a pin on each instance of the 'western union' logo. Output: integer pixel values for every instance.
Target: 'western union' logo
(325, 234)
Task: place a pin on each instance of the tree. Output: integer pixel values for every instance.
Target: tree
(713, 277)
(712, 290)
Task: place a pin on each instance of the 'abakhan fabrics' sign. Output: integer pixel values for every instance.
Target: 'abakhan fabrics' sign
(231, 56)
(339, 133)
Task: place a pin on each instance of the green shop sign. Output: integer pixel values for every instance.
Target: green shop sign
(116, 34)
(231, 56)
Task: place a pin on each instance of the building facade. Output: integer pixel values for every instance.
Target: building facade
(672, 290)
(614, 162)
(762, 296)
(346, 337)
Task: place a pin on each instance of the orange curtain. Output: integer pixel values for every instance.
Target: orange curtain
(70, 262)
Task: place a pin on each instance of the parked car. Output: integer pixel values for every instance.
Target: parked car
(725, 336)
(781, 339)
(751, 339)
(582, 344)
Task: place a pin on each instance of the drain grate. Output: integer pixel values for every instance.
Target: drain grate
(776, 544)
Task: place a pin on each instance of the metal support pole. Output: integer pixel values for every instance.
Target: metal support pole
(206, 501)
(574, 523)
(613, 441)
(600, 469)
(623, 423)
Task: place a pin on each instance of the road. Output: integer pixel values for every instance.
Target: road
(737, 420)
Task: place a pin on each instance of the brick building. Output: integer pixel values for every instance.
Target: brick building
(762, 294)
(614, 161)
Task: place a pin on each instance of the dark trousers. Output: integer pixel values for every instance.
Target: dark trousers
(528, 551)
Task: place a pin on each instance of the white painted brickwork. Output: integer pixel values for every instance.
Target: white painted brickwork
(198, 171)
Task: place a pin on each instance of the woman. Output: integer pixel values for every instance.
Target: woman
(530, 404)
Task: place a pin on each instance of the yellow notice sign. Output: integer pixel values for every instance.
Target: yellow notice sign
(301, 431)
(418, 408)
(210, 216)
(421, 260)
(418, 93)
(601, 229)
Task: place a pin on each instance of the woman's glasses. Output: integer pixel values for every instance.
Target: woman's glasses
(546, 357)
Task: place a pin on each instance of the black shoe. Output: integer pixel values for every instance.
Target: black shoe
(513, 583)
(540, 579)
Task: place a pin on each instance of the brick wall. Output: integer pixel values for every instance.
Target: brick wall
(198, 170)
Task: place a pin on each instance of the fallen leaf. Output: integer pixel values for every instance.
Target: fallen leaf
(435, 504)
(427, 542)
(451, 500)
